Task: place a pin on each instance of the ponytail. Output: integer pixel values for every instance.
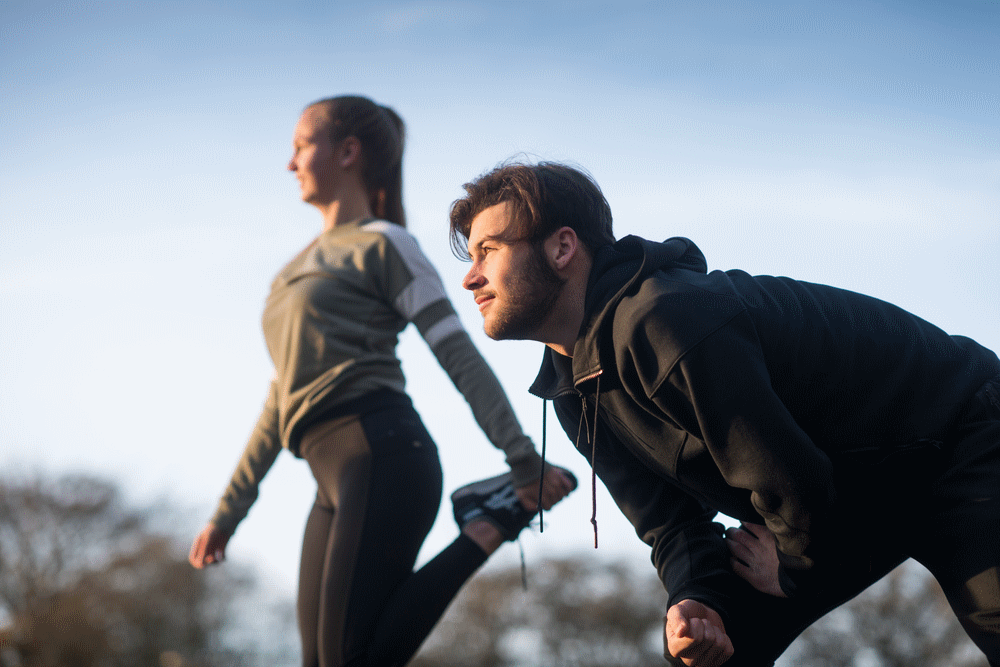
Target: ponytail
(388, 199)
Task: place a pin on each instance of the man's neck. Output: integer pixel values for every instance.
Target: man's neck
(561, 349)
(562, 327)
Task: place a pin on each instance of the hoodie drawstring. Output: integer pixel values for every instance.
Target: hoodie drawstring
(541, 479)
(593, 450)
(593, 457)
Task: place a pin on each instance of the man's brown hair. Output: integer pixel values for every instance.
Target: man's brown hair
(543, 197)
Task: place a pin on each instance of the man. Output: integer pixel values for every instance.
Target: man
(843, 432)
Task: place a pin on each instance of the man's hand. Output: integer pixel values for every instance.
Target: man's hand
(754, 557)
(556, 487)
(209, 547)
(696, 635)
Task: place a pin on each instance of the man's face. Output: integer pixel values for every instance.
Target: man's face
(513, 284)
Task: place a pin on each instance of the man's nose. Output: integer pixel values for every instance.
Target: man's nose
(473, 279)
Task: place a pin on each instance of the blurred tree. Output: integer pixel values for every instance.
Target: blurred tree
(585, 613)
(88, 582)
(901, 621)
(578, 612)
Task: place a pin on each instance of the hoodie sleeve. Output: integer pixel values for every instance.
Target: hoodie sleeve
(720, 392)
(686, 546)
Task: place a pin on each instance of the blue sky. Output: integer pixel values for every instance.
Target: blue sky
(145, 207)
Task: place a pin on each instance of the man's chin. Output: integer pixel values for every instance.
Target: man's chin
(493, 333)
(508, 332)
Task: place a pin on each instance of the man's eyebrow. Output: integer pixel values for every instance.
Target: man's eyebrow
(492, 238)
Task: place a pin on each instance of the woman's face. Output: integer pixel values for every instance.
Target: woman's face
(313, 159)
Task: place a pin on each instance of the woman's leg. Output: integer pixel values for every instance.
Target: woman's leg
(317, 536)
(380, 478)
(340, 459)
(416, 606)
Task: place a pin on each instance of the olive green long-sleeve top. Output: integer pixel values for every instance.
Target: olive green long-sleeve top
(331, 324)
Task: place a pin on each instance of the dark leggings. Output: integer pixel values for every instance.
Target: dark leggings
(950, 524)
(379, 487)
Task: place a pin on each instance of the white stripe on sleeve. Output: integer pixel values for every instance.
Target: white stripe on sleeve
(443, 329)
(425, 287)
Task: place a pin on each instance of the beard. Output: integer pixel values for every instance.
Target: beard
(528, 300)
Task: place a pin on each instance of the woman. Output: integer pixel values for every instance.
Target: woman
(331, 324)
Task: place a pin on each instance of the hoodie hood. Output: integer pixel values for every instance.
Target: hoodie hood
(617, 271)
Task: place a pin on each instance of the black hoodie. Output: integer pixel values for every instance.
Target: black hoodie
(764, 398)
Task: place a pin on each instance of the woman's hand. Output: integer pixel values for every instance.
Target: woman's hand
(209, 547)
(557, 486)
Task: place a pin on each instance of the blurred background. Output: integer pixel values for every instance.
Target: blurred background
(145, 208)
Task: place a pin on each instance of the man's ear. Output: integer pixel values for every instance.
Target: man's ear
(348, 152)
(561, 247)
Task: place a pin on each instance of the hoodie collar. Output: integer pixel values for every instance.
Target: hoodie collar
(617, 271)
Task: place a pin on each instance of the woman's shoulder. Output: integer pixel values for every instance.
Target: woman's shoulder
(390, 231)
(400, 240)
(377, 245)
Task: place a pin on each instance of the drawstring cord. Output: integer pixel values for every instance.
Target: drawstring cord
(593, 458)
(524, 568)
(541, 479)
(593, 451)
(541, 487)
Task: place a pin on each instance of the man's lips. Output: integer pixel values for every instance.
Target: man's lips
(482, 300)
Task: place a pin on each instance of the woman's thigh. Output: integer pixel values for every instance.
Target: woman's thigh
(379, 477)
